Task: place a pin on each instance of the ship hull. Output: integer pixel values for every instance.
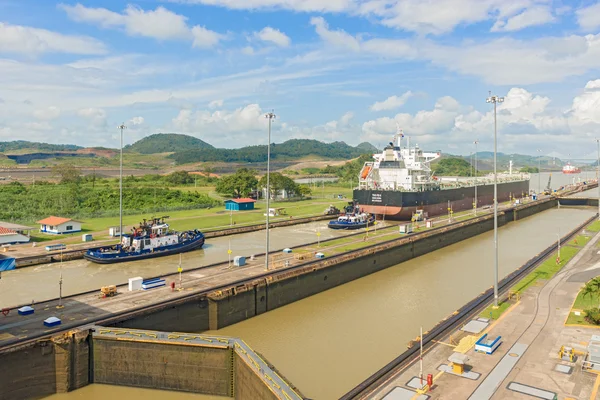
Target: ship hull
(398, 205)
(194, 244)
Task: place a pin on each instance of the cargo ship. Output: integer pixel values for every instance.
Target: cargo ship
(400, 181)
(148, 240)
(569, 169)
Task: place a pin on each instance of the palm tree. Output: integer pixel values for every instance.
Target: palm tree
(592, 289)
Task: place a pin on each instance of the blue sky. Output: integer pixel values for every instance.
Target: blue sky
(348, 70)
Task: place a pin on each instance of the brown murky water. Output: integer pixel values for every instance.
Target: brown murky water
(328, 343)
(104, 392)
(40, 282)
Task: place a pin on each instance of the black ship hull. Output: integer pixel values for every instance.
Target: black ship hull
(399, 205)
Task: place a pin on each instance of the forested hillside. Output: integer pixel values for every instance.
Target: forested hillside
(23, 144)
(167, 143)
(290, 149)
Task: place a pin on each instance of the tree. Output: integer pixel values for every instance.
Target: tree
(592, 289)
(179, 178)
(530, 170)
(304, 190)
(278, 182)
(67, 173)
(452, 166)
(240, 184)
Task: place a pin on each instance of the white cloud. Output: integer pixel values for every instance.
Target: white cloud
(248, 50)
(268, 34)
(548, 59)
(48, 114)
(239, 121)
(32, 41)
(531, 17)
(215, 104)
(136, 121)
(295, 5)
(160, 24)
(338, 38)
(525, 122)
(392, 102)
(588, 18)
(95, 116)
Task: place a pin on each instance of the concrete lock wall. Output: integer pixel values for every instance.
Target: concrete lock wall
(45, 367)
(191, 316)
(247, 384)
(154, 365)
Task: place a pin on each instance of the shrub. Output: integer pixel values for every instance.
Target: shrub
(593, 316)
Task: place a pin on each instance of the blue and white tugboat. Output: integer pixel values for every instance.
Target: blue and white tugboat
(150, 239)
(352, 219)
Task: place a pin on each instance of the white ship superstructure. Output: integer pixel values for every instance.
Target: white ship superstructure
(399, 168)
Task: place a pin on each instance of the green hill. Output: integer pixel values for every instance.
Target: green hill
(166, 143)
(23, 144)
(289, 150)
(366, 146)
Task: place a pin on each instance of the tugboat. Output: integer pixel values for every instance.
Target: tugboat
(352, 219)
(151, 239)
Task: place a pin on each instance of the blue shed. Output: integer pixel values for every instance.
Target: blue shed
(240, 204)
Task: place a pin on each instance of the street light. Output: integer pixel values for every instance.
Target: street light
(270, 116)
(598, 176)
(476, 142)
(121, 127)
(539, 170)
(495, 99)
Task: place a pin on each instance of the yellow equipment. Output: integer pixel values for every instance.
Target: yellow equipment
(566, 353)
(108, 291)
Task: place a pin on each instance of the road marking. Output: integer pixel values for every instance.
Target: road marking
(595, 389)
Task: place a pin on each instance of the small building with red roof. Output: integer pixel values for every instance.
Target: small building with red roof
(242, 204)
(59, 225)
(9, 236)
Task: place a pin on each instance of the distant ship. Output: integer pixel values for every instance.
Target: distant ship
(399, 182)
(569, 169)
(148, 240)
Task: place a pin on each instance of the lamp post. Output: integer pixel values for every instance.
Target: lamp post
(476, 142)
(121, 127)
(598, 176)
(270, 116)
(495, 100)
(539, 170)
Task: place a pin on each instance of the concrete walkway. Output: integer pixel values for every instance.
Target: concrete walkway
(536, 325)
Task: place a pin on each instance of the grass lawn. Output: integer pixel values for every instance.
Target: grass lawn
(585, 303)
(492, 313)
(217, 216)
(594, 226)
(577, 319)
(547, 269)
(580, 240)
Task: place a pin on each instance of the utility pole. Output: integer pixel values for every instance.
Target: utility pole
(495, 99)
(421, 357)
(270, 116)
(539, 170)
(121, 127)
(60, 282)
(180, 270)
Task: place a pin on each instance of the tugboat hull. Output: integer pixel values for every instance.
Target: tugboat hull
(111, 258)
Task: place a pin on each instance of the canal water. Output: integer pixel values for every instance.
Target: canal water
(328, 343)
(40, 282)
(557, 179)
(103, 392)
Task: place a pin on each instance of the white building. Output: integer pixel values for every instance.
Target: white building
(13, 233)
(59, 225)
(8, 236)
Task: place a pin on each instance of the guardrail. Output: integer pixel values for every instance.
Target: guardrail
(452, 322)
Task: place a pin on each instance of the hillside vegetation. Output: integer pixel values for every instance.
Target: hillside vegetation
(452, 166)
(288, 150)
(167, 143)
(35, 146)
